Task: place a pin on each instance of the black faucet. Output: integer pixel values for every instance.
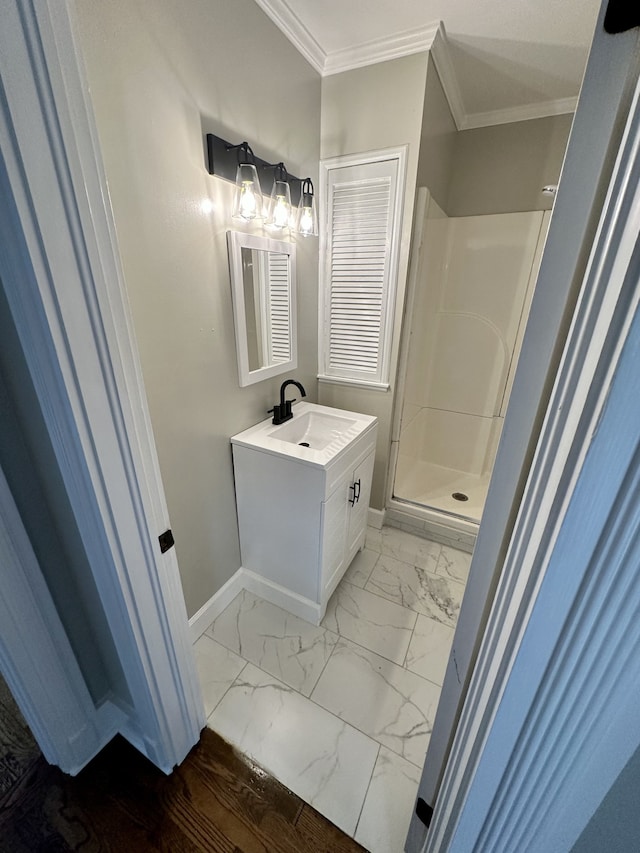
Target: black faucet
(282, 411)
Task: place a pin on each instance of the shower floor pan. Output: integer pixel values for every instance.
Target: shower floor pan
(434, 486)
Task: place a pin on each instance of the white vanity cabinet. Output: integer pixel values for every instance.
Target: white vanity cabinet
(302, 512)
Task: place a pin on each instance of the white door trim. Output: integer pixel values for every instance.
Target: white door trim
(63, 282)
(550, 718)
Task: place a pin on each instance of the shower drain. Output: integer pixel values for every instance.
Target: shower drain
(460, 496)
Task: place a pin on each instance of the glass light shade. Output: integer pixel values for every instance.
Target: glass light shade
(247, 203)
(279, 216)
(307, 217)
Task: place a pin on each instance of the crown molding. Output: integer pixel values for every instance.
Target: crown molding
(542, 109)
(381, 50)
(432, 38)
(368, 53)
(441, 55)
(293, 28)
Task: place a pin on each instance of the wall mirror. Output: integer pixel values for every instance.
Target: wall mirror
(263, 284)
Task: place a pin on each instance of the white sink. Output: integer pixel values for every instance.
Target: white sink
(315, 435)
(313, 429)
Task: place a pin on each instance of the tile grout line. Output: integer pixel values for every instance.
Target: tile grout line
(375, 563)
(227, 690)
(414, 565)
(349, 639)
(405, 607)
(353, 726)
(342, 722)
(326, 663)
(366, 793)
(359, 645)
(340, 637)
(331, 714)
(366, 648)
(326, 711)
(404, 661)
(371, 652)
(322, 708)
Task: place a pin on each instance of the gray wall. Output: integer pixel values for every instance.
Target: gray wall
(161, 76)
(378, 106)
(502, 169)
(437, 140)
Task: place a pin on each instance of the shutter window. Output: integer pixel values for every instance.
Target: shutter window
(359, 271)
(278, 308)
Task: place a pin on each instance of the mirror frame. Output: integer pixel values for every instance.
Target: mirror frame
(236, 242)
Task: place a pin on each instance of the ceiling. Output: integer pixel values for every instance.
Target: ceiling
(499, 60)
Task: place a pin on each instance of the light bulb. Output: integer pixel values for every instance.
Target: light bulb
(280, 203)
(306, 221)
(281, 213)
(248, 202)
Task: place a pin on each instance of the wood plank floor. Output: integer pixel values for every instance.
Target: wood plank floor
(18, 749)
(216, 800)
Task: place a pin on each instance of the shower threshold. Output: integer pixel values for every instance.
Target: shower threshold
(447, 528)
(419, 505)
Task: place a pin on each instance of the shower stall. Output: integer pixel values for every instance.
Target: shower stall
(471, 283)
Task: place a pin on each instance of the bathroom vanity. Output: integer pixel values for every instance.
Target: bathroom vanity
(302, 491)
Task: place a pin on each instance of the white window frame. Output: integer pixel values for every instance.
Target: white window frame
(398, 154)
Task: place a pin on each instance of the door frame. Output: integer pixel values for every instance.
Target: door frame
(61, 273)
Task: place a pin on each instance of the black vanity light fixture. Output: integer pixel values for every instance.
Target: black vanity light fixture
(307, 218)
(239, 164)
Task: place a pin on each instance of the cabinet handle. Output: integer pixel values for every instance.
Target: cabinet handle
(356, 492)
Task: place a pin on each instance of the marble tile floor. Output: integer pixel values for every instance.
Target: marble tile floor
(341, 713)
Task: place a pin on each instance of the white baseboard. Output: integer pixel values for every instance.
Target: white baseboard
(278, 595)
(246, 579)
(201, 620)
(375, 518)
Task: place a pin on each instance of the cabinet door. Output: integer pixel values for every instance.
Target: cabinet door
(334, 538)
(360, 489)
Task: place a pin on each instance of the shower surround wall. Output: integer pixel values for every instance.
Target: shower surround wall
(475, 281)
